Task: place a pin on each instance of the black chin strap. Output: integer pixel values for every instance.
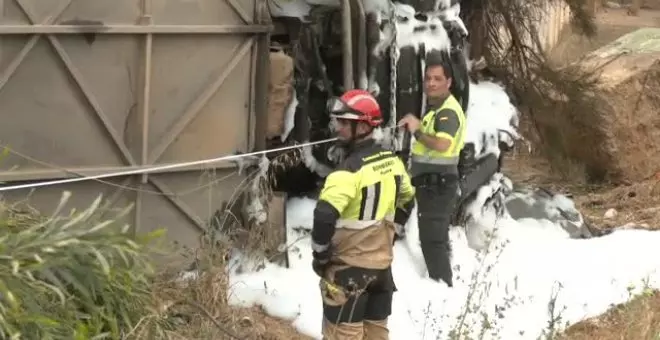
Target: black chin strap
(350, 144)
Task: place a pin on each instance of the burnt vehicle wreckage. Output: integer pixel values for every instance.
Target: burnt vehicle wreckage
(342, 44)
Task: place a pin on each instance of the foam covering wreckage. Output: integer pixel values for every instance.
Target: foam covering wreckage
(399, 38)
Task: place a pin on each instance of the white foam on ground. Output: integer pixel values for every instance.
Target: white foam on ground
(519, 273)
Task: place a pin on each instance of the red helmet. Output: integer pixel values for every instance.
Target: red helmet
(357, 105)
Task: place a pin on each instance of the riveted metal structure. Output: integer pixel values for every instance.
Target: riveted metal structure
(90, 86)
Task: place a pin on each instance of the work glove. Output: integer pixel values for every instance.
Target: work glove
(401, 216)
(321, 261)
(399, 232)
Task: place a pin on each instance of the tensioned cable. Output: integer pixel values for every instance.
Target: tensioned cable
(158, 168)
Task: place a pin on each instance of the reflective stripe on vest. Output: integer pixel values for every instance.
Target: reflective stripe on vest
(422, 154)
(432, 160)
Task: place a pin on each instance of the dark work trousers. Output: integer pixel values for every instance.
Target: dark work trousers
(436, 196)
(368, 295)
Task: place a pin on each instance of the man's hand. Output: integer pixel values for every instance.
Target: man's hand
(320, 262)
(410, 122)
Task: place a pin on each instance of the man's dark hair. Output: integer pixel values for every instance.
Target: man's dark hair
(439, 58)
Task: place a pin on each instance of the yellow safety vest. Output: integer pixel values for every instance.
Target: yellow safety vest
(422, 154)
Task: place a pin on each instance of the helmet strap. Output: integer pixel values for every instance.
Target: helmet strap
(350, 144)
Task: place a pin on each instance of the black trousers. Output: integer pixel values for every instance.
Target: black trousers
(368, 295)
(436, 196)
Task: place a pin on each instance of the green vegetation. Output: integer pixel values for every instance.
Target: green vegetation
(72, 277)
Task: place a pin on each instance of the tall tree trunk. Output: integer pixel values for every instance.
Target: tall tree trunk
(634, 7)
(473, 14)
(594, 6)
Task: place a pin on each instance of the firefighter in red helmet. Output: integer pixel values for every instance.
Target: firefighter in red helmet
(353, 233)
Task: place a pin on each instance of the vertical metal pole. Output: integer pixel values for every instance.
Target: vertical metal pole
(2, 19)
(145, 95)
(347, 44)
(362, 52)
(262, 78)
(144, 106)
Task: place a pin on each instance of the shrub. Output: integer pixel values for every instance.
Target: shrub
(71, 277)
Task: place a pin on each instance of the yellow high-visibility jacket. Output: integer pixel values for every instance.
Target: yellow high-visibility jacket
(355, 211)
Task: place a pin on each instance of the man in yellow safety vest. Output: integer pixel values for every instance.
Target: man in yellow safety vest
(439, 138)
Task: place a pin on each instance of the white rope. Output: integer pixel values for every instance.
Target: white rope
(147, 170)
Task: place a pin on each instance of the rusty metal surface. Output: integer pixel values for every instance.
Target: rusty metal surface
(83, 102)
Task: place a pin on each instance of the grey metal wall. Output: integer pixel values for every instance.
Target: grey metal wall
(88, 86)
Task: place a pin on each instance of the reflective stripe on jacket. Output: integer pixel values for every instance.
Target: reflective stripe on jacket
(364, 191)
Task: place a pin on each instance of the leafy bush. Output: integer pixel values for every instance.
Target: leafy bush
(72, 277)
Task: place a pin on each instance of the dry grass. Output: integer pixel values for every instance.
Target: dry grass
(529, 169)
(638, 319)
(200, 309)
(197, 307)
(637, 204)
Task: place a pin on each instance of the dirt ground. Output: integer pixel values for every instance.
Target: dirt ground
(636, 205)
(611, 24)
(636, 320)
(260, 326)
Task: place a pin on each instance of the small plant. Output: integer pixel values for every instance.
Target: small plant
(555, 316)
(474, 321)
